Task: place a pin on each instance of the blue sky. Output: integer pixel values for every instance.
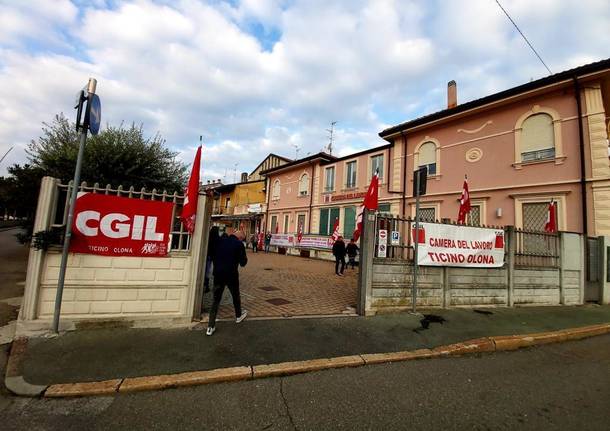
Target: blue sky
(260, 76)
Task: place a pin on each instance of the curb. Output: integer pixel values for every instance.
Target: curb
(221, 375)
(13, 379)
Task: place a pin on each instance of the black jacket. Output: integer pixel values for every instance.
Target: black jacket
(230, 252)
(352, 249)
(339, 248)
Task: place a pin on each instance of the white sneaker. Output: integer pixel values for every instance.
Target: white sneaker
(210, 330)
(242, 317)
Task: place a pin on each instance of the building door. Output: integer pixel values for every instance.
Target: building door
(286, 221)
(301, 223)
(349, 221)
(273, 224)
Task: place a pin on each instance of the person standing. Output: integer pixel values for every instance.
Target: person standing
(352, 252)
(339, 253)
(230, 253)
(267, 242)
(253, 243)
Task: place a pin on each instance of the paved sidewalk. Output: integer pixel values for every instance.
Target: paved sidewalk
(91, 355)
(274, 285)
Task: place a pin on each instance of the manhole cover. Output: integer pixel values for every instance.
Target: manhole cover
(268, 288)
(278, 301)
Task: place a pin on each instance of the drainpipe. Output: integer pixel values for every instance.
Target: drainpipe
(404, 170)
(310, 199)
(583, 182)
(267, 185)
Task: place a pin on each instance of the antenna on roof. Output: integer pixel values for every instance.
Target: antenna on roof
(331, 137)
(296, 149)
(235, 172)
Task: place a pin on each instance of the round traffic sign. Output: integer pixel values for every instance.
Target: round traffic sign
(95, 114)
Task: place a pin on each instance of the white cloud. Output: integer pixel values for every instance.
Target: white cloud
(191, 68)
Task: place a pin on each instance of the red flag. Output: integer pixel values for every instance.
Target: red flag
(335, 234)
(300, 233)
(371, 202)
(191, 195)
(551, 223)
(464, 203)
(277, 228)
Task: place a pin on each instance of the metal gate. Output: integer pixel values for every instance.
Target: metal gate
(594, 269)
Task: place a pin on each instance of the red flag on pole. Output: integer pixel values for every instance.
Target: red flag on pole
(300, 233)
(277, 228)
(464, 203)
(371, 202)
(191, 195)
(551, 219)
(335, 234)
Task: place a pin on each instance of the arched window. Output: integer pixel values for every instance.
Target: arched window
(275, 194)
(537, 138)
(427, 157)
(304, 185)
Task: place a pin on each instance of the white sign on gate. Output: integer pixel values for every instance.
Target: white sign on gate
(395, 239)
(451, 245)
(382, 246)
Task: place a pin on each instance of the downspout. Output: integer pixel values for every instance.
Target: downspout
(581, 139)
(310, 200)
(268, 183)
(404, 170)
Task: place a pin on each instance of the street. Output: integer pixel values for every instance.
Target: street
(13, 265)
(562, 386)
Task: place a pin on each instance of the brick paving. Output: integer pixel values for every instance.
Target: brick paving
(274, 285)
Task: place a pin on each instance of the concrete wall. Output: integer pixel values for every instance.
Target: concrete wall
(146, 290)
(392, 279)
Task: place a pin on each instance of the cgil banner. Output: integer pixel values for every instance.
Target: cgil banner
(117, 226)
(450, 245)
(290, 240)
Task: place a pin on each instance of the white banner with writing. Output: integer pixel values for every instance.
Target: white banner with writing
(450, 245)
(283, 239)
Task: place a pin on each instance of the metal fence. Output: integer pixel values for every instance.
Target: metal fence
(536, 249)
(532, 249)
(180, 239)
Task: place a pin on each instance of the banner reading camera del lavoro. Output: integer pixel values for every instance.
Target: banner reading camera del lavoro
(450, 245)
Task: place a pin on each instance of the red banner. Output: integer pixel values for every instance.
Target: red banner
(116, 226)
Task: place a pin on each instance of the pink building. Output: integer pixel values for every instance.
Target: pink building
(520, 148)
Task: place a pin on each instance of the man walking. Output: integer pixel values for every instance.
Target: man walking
(339, 253)
(267, 242)
(230, 252)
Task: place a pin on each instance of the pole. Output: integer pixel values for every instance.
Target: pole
(415, 247)
(68, 235)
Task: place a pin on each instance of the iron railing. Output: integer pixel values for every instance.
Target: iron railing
(536, 249)
(180, 239)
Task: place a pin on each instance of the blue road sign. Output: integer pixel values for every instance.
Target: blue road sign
(95, 115)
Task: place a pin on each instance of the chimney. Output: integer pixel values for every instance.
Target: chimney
(244, 177)
(451, 94)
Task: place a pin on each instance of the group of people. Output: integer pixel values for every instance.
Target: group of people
(227, 252)
(254, 240)
(340, 250)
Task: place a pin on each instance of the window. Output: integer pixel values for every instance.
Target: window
(474, 217)
(301, 223)
(227, 203)
(286, 221)
(535, 215)
(427, 157)
(537, 138)
(377, 163)
(427, 215)
(350, 179)
(384, 209)
(273, 224)
(349, 221)
(304, 185)
(275, 194)
(329, 184)
(327, 220)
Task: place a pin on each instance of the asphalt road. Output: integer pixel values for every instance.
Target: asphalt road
(563, 386)
(13, 265)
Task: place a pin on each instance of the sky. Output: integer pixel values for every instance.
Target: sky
(255, 77)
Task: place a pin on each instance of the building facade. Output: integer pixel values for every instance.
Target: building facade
(520, 149)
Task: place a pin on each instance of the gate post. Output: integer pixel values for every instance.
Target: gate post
(367, 253)
(604, 282)
(511, 241)
(45, 212)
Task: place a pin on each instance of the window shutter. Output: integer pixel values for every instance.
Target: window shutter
(324, 221)
(537, 133)
(427, 154)
(334, 214)
(349, 221)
